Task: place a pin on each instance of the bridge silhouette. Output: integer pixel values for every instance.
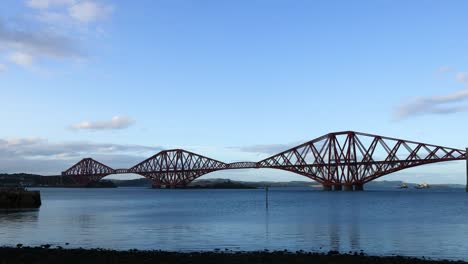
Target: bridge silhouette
(340, 160)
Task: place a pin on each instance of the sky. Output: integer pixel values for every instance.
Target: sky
(233, 80)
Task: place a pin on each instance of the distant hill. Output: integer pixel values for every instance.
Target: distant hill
(207, 182)
(34, 180)
(18, 175)
(256, 184)
(143, 182)
(222, 184)
(19, 179)
(26, 179)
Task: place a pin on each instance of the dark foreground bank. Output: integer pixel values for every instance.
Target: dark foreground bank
(19, 198)
(43, 254)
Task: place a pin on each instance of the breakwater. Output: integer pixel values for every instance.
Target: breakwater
(19, 198)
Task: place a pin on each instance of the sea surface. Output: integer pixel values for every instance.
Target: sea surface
(430, 223)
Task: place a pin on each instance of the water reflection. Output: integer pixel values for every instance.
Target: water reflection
(334, 219)
(354, 225)
(267, 227)
(410, 223)
(16, 224)
(16, 216)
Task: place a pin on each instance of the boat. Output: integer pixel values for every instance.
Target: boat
(403, 185)
(422, 186)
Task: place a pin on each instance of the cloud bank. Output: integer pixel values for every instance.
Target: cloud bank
(38, 155)
(117, 122)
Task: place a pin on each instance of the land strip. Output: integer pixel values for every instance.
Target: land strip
(45, 254)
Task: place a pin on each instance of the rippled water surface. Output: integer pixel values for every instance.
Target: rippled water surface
(431, 223)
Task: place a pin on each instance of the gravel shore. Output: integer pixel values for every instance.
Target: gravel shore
(45, 254)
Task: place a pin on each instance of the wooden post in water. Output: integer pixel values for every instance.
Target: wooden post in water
(266, 197)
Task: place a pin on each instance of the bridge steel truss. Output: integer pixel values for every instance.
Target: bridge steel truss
(337, 160)
(88, 170)
(176, 167)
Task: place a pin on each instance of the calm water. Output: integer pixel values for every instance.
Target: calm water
(410, 222)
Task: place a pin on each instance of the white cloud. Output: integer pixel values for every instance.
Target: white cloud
(266, 148)
(20, 141)
(269, 149)
(56, 29)
(3, 68)
(53, 18)
(21, 58)
(44, 4)
(83, 11)
(444, 69)
(443, 104)
(117, 122)
(89, 11)
(462, 77)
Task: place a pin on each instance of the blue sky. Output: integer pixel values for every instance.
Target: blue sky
(120, 80)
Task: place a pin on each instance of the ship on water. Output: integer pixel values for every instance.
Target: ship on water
(422, 186)
(403, 185)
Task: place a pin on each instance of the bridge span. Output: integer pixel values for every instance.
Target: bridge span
(339, 161)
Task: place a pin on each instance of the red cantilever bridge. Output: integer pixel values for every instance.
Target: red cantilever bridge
(341, 160)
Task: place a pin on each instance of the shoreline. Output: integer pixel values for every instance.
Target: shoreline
(46, 254)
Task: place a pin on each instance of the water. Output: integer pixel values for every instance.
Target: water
(430, 223)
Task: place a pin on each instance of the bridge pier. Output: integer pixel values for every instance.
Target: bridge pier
(359, 187)
(337, 187)
(347, 188)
